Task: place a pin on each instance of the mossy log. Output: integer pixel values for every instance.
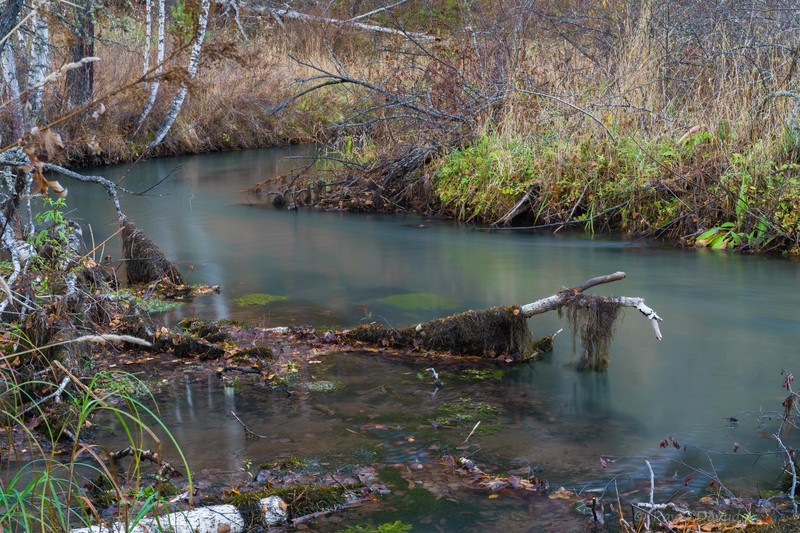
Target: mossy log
(489, 333)
(502, 332)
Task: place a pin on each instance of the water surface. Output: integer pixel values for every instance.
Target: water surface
(730, 325)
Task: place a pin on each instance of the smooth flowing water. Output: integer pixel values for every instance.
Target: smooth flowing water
(731, 325)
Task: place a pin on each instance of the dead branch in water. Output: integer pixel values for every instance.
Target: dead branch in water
(565, 297)
(502, 332)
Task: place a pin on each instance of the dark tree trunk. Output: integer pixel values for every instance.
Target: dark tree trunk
(80, 81)
(8, 18)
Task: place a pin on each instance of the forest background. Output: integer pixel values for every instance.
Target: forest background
(672, 119)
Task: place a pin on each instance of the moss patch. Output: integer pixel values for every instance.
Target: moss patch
(321, 386)
(259, 299)
(420, 301)
(474, 374)
(464, 413)
(301, 499)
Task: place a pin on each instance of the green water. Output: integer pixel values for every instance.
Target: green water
(730, 325)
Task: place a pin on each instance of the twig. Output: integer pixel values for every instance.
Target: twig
(343, 486)
(248, 433)
(164, 467)
(793, 470)
(56, 395)
(473, 431)
(652, 490)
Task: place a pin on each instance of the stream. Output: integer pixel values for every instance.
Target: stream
(730, 326)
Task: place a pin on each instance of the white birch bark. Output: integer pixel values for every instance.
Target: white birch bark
(213, 519)
(551, 303)
(151, 98)
(296, 15)
(9, 66)
(40, 44)
(194, 63)
(148, 35)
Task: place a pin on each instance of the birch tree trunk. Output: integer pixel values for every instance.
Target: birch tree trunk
(11, 81)
(151, 98)
(148, 35)
(40, 45)
(194, 63)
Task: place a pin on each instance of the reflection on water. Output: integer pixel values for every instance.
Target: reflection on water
(730, 322)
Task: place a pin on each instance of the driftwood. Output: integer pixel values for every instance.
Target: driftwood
(165, 469)
(503, 333)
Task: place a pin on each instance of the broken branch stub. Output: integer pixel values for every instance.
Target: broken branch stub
(145, 261)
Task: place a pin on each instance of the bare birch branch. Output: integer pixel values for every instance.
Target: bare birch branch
(291, 14)
(552, 303)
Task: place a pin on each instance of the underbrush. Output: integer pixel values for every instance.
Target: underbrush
(699, 190)
(55, 478)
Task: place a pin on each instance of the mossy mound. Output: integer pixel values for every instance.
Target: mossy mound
(146, 262)
(190, 347)
(259, 299)
(256, 353)
(208, 331)
(422, 301)
(489, 333)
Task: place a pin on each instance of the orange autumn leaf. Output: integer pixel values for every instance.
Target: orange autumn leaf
(40, 183)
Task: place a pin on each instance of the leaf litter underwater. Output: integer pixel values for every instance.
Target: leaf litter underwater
(353, 410)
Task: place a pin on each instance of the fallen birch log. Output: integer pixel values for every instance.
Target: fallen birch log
(212, 519)
(565, 297)
(503, 333)
(279, 13)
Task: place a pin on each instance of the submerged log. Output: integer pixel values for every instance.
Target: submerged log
(503, 332)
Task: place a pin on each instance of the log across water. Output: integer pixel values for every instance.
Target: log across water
(502, 332)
